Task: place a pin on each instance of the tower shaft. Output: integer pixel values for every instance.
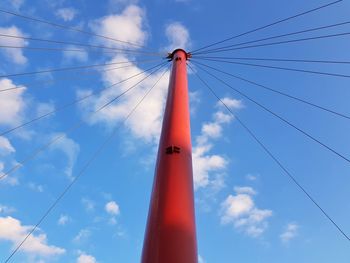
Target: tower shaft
(171, 232)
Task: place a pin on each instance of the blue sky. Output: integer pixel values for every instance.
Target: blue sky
(247, 210)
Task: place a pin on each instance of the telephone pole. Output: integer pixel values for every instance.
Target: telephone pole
(171, 231)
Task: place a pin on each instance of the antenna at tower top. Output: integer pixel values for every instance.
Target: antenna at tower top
(171, 55)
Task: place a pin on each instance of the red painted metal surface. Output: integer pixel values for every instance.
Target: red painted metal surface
(171, 232)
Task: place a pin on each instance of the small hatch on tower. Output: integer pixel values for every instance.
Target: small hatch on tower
(172, 149)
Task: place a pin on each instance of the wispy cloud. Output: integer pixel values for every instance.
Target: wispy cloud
(290, 232)
(178, 36)
(7, 180)
(82, 236)
(70, 148)
(36, 187)
(63, 220)
(6, 209)
(5, 146)
(44, 107)
(7, 151)
(66, 13)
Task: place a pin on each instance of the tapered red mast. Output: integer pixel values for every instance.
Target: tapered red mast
(171, 232)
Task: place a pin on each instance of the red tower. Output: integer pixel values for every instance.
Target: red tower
(171, 232)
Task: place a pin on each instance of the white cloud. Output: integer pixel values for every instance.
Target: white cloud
(212, 130)
(63, 220)
(12, 103)
(112, 208)
(70, 148)
(178, 36)
(237, 205)
(12, 230)
(85, 258)
(204, 164)
(67, 13)
(207, 167)
(231, 103)
(145, 123)
(14, 55)
(127, 26)
(241, 211)
(290, 232)
(222, 118)
(5, 146)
